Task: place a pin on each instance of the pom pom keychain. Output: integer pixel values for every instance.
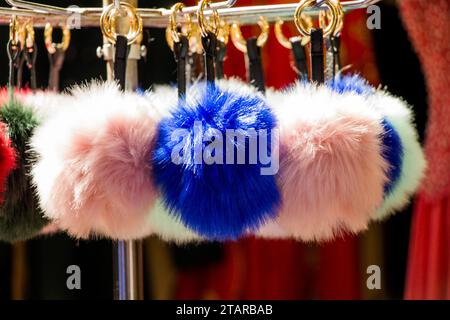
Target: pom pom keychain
(392, 146)
(332, 171)
(400, 140)
(20, 216)
(205, 182)
(217, 200)
(93, 175)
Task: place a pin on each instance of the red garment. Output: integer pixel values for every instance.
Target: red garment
(429, 267)
(428, 23)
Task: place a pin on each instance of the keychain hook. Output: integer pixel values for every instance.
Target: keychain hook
(336, 13)
(48, 38)
(30, 35)
(325, 16)
(172, 32)
(108, 22)
(14, 36)
(202, 21)
(282, 39)
(238, 40)
(176, 8)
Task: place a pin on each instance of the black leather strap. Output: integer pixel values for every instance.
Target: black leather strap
(255, 67)
(317, 56)
(181, 50)
(56, 62)
(221, 52)
(336, 46)
(299, 55)
(209, 46)
(120, 60)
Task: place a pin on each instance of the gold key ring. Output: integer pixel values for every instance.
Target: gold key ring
(29, 39)
(108, 22)
(202, 21)
(48, 38)
(325, 16)
(238, 39)
(336, 14)
(172, 33)
(282, 39)
(14, 31)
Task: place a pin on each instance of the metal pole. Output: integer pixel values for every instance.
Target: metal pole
(127, 255)
(128, 270)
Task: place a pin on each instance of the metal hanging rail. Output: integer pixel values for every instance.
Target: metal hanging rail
(159, 18)
(68, 11)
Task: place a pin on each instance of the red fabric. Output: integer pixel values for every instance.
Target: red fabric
(428, 23)
(429, 266)
(338, 270)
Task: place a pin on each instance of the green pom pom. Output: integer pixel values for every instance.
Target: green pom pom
(20, 216)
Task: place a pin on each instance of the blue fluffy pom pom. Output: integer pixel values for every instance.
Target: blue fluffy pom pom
(350, 83)
(219, 200)
(393, 153)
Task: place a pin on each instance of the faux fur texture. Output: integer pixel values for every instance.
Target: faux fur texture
(7, 159)
(217, 201)
(163, 224)
(401, 146)
(272, 230)
(19, 94)
(393, 153)
(392, 146)
(20, 216)
(399, 114)
(332, 171)
(169, 228)
(350, 83)
(93, 175)
(44, 103)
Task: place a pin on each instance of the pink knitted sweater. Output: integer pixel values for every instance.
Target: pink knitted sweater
(428, 25)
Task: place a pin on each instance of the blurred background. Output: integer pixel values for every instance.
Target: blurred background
(250, 268)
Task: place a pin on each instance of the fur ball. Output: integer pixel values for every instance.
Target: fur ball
(332, 171)
(7, 159)
(400, 139)
(94, 171)
(413, 164)
(217, 201)
(20, 216)
(392, 145)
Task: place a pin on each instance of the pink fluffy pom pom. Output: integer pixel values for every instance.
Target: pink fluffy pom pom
(332, 171)
(93, 175)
